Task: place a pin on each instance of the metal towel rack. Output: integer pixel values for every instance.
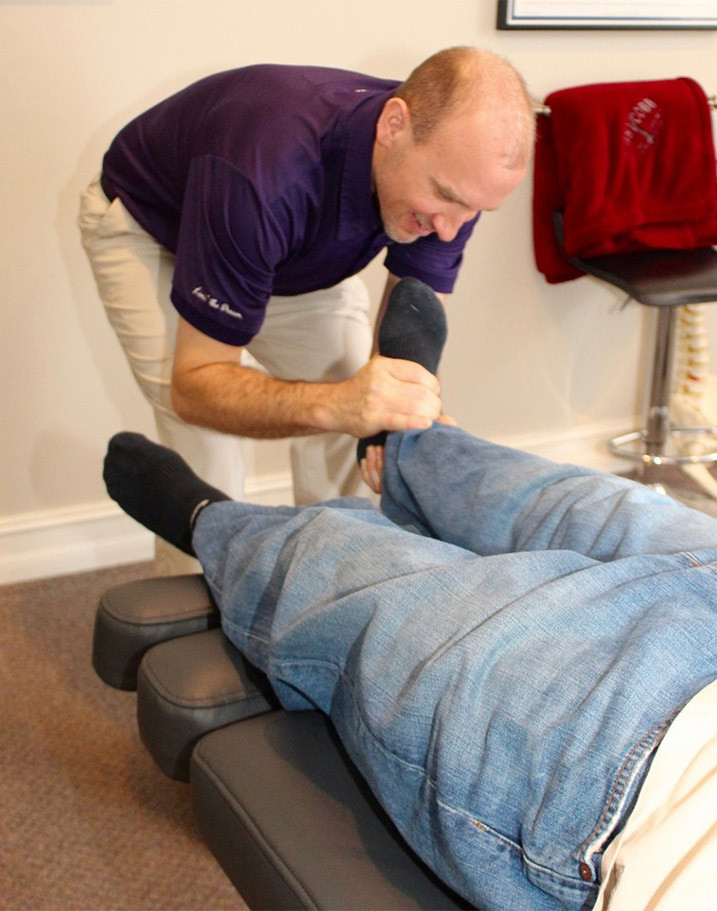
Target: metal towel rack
(544, 109)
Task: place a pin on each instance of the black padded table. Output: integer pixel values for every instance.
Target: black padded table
(294, 825)
(279, 803)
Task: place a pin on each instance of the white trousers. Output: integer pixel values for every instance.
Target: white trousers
(324, 336)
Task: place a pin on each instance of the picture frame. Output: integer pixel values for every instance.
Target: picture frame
(606, 14)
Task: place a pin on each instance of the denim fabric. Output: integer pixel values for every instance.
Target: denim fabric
(502, 667)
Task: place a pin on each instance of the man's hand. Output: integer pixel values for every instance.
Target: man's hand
(385, 394)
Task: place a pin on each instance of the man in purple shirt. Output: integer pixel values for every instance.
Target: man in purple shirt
(236, 214)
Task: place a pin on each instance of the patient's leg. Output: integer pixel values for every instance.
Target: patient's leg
(470, 690)
(492, 499)
(157, 488)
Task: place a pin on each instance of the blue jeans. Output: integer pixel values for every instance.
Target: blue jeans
(501, 649)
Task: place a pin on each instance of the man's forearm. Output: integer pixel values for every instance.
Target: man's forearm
(212, 389)
(245, 402)
(386, 394)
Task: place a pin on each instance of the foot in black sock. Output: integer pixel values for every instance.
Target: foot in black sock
(155, 486)
(413, 328)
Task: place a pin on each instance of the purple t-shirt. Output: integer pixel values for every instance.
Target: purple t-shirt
(259, 180)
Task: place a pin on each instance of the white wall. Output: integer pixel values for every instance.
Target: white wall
(526, 362)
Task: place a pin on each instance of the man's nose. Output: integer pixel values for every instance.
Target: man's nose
(447, 225)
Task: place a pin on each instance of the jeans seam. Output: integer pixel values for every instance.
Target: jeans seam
(698, 564)
(525, 857)
(635, 759)
(459, 811)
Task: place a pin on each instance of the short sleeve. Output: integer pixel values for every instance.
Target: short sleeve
(429, 259)
(228, 246)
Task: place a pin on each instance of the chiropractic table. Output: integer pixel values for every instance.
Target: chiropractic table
(279, 803)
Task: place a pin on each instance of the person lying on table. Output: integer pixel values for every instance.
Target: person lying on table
(519, 656)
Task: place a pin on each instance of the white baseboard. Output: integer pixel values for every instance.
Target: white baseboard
(96, 535)
(73, 539)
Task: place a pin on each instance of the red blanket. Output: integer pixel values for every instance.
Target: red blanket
(631, 165)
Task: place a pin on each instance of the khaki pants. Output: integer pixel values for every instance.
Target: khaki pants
(317, 337)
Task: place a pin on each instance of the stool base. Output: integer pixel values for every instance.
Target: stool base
(634, 446)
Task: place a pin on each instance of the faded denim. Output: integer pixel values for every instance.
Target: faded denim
(501, 650)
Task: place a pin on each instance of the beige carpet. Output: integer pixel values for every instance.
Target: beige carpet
(87, 821)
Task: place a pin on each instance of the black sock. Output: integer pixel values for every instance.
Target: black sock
(413, 329)
(155, 486)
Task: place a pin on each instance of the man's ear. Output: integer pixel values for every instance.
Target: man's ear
(394, 119)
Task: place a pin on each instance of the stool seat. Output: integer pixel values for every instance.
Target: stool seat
(663, 280)
(659, 278)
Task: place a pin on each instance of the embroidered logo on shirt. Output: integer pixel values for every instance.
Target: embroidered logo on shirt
(643, 125)
(214, 303)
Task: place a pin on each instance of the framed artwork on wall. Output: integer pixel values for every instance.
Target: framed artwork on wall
(607, 14)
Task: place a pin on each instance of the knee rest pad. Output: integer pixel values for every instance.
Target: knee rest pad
(133, 617)
(189, 686)
(294, 825)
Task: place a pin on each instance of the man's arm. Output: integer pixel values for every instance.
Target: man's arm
(211, 388)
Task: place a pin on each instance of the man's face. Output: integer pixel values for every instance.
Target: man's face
(438, 185)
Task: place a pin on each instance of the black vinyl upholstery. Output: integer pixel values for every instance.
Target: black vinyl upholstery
(654, 278)
(133, 617)
(191, 685)
(294, 825)
(279, 803)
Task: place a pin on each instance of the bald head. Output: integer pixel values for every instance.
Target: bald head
(464, 82)
(455, 139)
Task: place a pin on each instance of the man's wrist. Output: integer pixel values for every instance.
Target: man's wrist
(322, 410)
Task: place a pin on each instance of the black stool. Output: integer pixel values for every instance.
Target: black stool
(664, 280)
